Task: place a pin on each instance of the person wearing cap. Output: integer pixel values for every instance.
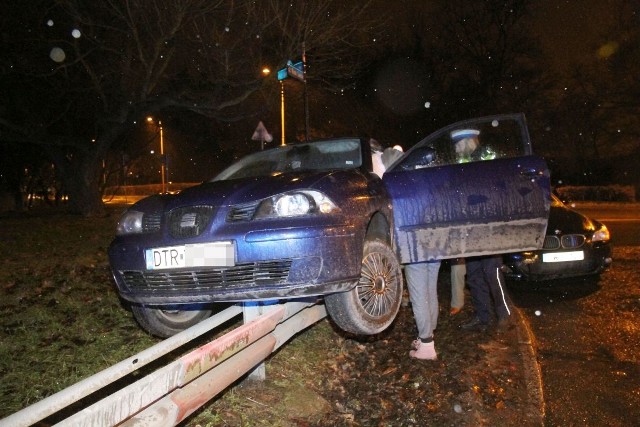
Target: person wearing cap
(467, 145)
(488, 293)
(484, 273)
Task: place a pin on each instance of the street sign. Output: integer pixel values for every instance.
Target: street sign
(296, 70)
(261, 134)
(292, 70)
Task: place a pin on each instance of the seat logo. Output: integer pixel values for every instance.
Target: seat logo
(188, 220)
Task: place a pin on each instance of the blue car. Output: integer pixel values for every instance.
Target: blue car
(313, 219)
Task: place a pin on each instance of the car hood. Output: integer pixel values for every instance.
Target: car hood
(238, 191)
(563, 220)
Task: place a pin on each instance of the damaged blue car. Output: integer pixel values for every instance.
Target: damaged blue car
(313, 219)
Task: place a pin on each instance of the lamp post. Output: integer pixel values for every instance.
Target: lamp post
(282, 111)
(266, 71)
(162, 159)
(163, 165)
(297, 71)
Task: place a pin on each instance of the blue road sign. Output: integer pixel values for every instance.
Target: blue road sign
(292, 70)
(296, 70)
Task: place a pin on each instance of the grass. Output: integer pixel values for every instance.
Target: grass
(62, 321)
(60, 314)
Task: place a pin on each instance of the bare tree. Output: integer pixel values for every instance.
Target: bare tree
(596, 112)
(113, 62)
(486, 57)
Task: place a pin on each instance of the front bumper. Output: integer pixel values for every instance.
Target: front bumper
(269, 264)
(528, 266)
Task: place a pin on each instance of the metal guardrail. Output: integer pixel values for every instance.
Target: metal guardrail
(173, 392)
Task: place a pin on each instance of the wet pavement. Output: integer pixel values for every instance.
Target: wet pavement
(586, 339)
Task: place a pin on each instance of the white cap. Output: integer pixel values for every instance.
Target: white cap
(457, 135)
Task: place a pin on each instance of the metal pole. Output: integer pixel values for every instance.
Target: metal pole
(282, 110)
(306, 96)
(162, 171)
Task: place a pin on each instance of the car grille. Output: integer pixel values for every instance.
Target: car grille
(151, 222)
(242, 212)
(240, 276)
(190, 221)
(569, 241)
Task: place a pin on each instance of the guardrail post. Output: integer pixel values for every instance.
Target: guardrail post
(251, 310)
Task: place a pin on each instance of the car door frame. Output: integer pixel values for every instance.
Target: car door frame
(479, 208)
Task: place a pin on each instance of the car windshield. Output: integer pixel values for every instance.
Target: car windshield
(314, 156)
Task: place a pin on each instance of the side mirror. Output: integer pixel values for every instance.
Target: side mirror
(419, 158)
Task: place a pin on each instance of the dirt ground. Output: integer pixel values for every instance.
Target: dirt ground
(479, 379)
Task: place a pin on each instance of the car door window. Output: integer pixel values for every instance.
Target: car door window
(498, 138)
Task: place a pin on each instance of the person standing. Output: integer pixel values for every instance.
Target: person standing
(376, 157)
(422, 277)
(488, 293)
(484, 273)
(382, 158)
(422, 282)
(458, 272)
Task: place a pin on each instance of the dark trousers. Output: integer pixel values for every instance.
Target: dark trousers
(487, 287)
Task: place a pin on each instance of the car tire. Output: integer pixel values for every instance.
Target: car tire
(373, 304)
(165, 323)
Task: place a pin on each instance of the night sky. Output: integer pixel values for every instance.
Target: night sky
(570, 32)
(569, 29)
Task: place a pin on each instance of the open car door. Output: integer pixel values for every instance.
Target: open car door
(447, 206)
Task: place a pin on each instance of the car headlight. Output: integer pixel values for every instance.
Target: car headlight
(601, 235)
(295, 203)
(130, 223)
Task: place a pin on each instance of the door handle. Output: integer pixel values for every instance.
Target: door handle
(531, 173)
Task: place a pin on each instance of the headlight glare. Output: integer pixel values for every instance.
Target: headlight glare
(295, 203)
(130, 223)
(601, 235)
(292, 204)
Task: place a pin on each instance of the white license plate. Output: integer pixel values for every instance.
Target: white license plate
(216, 254)
(563, 256)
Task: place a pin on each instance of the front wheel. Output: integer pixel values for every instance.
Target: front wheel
(165, 323)
(373, 304)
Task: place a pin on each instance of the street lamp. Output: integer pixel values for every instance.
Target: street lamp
(266, 71)
(282, 112)
(163, 163)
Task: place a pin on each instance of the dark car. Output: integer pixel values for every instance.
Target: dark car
(574, 246)
(312, 219)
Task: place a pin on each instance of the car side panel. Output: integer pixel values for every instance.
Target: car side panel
(470, 209)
